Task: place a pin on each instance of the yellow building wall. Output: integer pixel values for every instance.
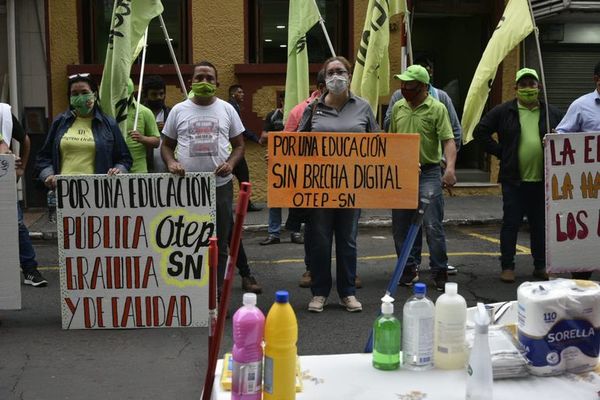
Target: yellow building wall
(217, 35)
(62, 22)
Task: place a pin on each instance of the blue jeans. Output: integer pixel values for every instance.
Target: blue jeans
(26, 251)
(430, 187)
(324, 223)
(274, 221)
(529, 199)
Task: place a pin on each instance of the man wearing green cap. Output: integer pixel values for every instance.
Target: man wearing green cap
(418, 112)
(521, 126)
(145, 137)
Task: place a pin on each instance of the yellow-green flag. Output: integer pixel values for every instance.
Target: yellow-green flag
(371, 76)
(514, 26)
(129, 21)
(303, 15)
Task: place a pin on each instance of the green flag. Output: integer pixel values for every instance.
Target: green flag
(371, 76)
(303, 15)
(514, 26)
(130, 19)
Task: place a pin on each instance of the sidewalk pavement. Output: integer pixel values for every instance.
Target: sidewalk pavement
(468, 210)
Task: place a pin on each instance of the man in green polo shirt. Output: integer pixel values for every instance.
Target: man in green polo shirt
(145, 137)
(418, 112)
(521, 125)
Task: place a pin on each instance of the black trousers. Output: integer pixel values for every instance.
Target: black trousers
(519, 200)
(241, 172)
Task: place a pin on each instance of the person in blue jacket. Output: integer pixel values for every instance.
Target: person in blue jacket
(82, 140)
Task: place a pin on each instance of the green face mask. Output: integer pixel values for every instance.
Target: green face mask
(80, 103)
(204, 89)
(528, 95)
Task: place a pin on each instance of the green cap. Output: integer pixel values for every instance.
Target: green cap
(526, 72)
(414, 73)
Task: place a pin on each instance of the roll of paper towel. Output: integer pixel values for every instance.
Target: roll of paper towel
(559, 325)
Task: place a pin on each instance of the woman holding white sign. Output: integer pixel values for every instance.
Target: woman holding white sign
(337, 110)
(82, 140)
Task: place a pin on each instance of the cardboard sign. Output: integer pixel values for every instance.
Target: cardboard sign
(572, 166)
(343, 170)
(133, 250)
(10, 282)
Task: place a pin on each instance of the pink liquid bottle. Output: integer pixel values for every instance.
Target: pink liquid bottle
(247, 354)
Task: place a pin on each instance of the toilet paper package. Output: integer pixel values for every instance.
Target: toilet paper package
(559, 325)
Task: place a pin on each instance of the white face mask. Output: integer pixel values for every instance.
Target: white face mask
(337, 84)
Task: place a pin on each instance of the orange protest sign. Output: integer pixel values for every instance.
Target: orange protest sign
(343, 170)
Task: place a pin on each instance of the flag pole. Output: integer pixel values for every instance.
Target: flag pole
(139, 95)
(322, 23)
(407, 27)
(170, 46)
(536, 33)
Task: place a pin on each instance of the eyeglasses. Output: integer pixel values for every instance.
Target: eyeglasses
(338, 71)
(84, 75)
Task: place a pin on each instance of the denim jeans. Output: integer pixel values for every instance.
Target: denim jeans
(224, 225)
(430, 187)
(274, 221)
(26, 251)
(324, 224)
(528, 198)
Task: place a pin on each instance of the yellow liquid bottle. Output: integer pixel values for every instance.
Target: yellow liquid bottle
(281, 335)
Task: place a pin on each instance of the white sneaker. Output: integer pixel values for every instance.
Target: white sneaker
(351, 304)
(317, 303)
(452, 270)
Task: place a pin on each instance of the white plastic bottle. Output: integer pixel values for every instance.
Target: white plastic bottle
(417, 330)
(480, 378)
(450, 323)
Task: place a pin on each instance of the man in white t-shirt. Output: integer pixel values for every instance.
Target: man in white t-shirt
(206, 134)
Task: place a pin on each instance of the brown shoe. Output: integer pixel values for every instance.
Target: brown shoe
(305, 280)
(249, 284)
(540, 274)
(357, 282)
(507, 275)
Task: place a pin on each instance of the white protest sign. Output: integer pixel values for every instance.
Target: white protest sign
(134, 250)
(10, 282)
(572, 167)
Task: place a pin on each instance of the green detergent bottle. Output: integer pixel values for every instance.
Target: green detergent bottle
(386, 337)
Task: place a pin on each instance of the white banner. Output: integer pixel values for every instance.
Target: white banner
(10, 282)
(133, 250)
(572, 167)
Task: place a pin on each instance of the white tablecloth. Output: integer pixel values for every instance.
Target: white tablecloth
(351, 376)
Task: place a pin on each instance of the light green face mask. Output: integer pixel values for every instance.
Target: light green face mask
(528, 95)
(204, 89)
(83, 104)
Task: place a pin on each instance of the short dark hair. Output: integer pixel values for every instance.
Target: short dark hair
(321, 77)
(154, 82)
(205, 63)
(82, 78)
(597, 69)
(424, 61)
(233, 89)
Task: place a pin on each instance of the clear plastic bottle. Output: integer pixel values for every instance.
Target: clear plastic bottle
(51, 201)
(480, 378)
(417, 330)
(450, 323)
(281, 335)
(247, 353)
(386, 337)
